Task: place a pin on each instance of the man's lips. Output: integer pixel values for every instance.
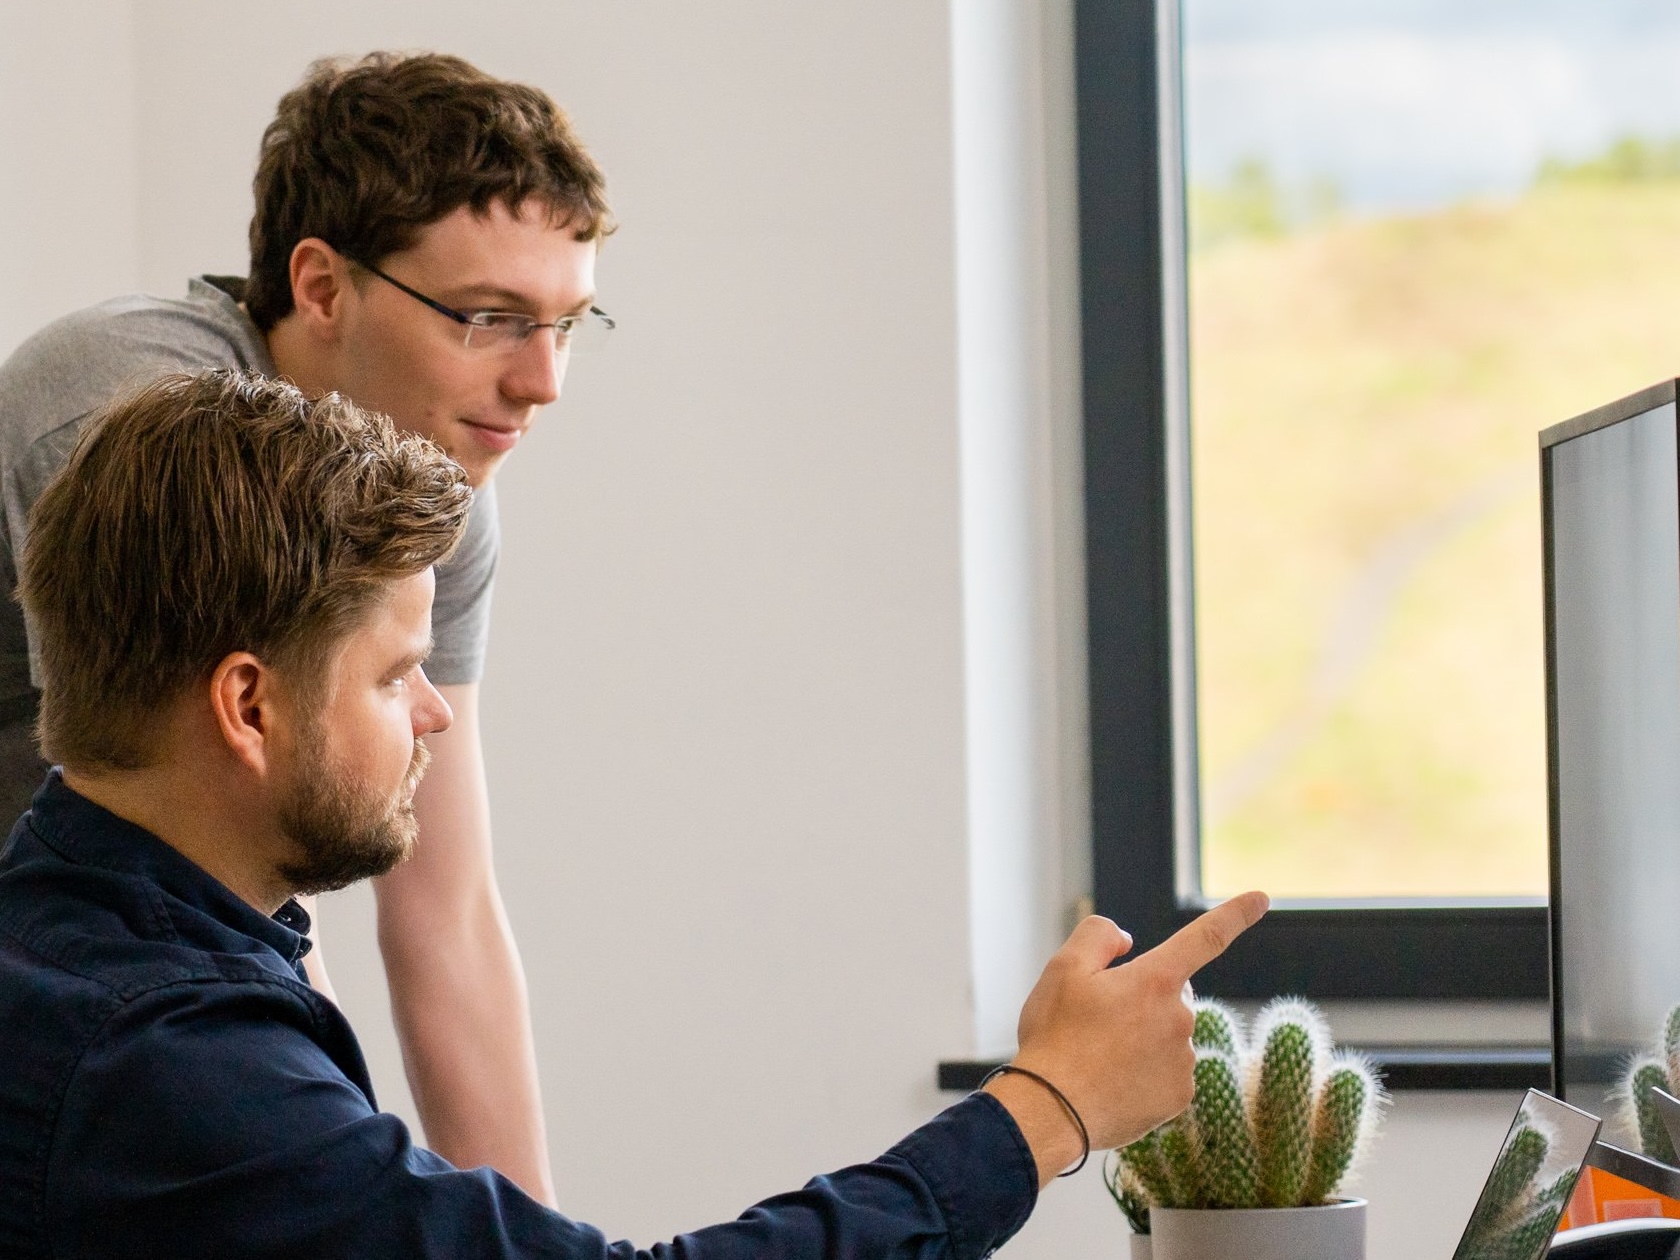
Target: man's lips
(497, 439)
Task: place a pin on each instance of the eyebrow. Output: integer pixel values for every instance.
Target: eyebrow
(406, 663)
(494, 297)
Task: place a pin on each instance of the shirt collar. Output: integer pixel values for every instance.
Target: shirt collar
(227, 293)
(87, 834)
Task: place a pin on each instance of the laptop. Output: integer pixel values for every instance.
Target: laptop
(1531, 1182)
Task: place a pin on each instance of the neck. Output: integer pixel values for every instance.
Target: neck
(298, 358)
(184, 811)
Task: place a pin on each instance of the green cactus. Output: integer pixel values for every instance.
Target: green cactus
(1529, 1236)
(1216, 1028)
(1648, 1074)
(1339, 1127)
(1283, 1109)
(1513, 1174)
(1670, 1050)
(1536, 1222)
(1181, 1156)
(1229, 1158)
(1516, 1215)
(1275, 1120)
(1142, 1160)
(1660, 1069)
(1557, 1194)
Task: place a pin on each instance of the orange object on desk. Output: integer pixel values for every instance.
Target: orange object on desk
(1600, 1196)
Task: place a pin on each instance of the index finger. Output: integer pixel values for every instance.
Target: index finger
(1199, 942)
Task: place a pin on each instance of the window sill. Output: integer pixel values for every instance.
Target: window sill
(1489, 1067)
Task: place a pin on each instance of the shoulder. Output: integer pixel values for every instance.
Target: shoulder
(129, 1028)
(78, 363)
(122, 1009)
(240, 1026)
(70, 930)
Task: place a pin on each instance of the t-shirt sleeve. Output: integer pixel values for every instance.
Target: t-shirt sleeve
(206, 1120)
(461, 606)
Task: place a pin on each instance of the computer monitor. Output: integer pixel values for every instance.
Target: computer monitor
(1610, 488)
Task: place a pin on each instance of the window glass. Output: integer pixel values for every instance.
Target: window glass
(1419, 232)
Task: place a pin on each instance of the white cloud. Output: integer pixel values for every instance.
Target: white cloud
(1398, 118)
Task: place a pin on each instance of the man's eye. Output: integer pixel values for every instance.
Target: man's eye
(500, 321)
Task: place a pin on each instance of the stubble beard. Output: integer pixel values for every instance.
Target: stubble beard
(342, 831)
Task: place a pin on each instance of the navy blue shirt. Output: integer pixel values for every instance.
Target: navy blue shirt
(172, 1087)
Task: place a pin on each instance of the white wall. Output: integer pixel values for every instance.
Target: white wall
(69, 183)
(726, 709)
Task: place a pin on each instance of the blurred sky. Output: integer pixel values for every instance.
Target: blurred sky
(1409, 104)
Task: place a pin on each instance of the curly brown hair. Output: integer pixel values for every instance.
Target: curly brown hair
(210, 514)
(365, 153)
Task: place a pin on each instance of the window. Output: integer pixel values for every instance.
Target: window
(1357, 254)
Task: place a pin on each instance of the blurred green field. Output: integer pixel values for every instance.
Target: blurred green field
(1366, 395)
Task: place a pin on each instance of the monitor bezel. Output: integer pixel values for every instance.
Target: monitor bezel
(1616, 412)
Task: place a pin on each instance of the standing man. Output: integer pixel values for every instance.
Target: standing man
(423, 242)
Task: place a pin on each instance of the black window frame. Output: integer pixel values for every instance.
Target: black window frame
(1436, 952)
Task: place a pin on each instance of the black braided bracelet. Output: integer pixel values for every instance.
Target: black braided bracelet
(1084, 1133)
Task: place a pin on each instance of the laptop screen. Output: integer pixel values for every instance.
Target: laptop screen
(1531, 1182)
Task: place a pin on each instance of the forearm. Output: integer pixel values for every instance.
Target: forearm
(210, 1075)
(458, 998)
(457, 989)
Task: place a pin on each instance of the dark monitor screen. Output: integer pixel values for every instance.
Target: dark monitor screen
(1611, 493)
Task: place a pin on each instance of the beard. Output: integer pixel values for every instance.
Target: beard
(342, 830)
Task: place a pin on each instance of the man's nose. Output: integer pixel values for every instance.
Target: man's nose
(433, 714)
(536, 370)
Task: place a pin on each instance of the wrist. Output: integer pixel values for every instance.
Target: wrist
(1049, 1131)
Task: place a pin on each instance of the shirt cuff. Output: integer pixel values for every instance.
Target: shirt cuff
(980, 1171)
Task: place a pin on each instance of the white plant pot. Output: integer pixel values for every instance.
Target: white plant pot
(1333, 1231)
(1141, 1247)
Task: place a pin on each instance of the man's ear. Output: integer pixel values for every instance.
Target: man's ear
(320, 284)
(242, 699)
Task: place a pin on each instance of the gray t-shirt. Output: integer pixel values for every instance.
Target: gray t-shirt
(76, 365)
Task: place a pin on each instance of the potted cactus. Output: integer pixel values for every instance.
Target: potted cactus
(1657, 1070)
(1253, 1166)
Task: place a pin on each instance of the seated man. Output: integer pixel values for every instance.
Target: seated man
(231, 585)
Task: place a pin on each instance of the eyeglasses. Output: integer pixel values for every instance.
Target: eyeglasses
(505, 330)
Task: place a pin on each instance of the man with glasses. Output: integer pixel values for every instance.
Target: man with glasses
(423, 243)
